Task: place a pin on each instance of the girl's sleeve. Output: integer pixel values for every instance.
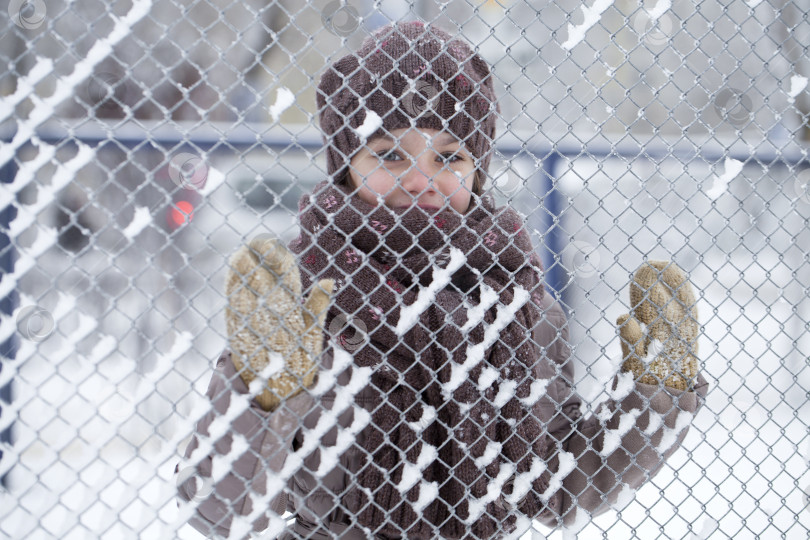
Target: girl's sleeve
(604, 458)
(234, 447)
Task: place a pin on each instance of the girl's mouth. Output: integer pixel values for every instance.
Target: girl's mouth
(425, 207)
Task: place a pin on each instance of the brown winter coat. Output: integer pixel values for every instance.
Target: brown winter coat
(450, 430)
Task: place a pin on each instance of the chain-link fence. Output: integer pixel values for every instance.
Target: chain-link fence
(144, 141)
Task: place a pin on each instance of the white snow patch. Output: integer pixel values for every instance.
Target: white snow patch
(464, 408)
(710, 525)
(491, 452)
(537, 391)
(327, 378)
(537, 535)
(523, 481)
(476, 314)
(671, 434)
(46, 238)
(105, 346)
(25, 86)
(506, 391)
(753, 3)
(656, 347)
(475, 353)
(567, 464)
(412, 473)
(488, 376)
(214, 178)
(409, 315)
(604, 414)
(797, 85)
(428, 491)
(242, 526)
(284, 100)
(581, 519)
(371, 123)
(660, 8)
(275, 366)
(613, 437)
(592, 14)
(140, 219)
(625, 383)
(427, 418)
(64, 306)
(522, 526)
(624, 497)
(330, 455)
(656, 420)
(720, 185)
(494, 489)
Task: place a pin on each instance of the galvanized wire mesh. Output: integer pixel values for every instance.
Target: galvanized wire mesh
(144, 141)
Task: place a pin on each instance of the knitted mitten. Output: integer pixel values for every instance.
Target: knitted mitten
(271, 333)
(662, 299)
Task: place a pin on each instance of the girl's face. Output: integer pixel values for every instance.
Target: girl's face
(424, 167)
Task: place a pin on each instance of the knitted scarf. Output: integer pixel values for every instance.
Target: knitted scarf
(451, 413)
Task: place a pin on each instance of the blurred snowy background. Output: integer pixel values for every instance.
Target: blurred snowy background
(143, 141)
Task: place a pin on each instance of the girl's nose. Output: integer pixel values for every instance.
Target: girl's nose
(418, 179)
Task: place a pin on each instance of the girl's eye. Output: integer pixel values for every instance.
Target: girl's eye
(451, 157)
(388, 155)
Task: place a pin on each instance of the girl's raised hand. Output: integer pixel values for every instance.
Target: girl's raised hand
(665, 348)
(273, 336)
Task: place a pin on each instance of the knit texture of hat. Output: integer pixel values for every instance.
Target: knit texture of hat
(410, 75)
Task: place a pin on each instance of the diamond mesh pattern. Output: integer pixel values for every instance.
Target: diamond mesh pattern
(142, 142)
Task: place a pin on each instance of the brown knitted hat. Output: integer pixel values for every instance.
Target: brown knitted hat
(409, 74)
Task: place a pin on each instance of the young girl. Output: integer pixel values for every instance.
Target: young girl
(404, 374)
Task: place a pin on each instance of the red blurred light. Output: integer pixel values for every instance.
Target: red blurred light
(181, 213)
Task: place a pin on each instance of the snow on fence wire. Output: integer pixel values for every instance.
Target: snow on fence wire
(143, 142)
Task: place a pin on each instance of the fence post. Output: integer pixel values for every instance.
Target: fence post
(548, 225)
